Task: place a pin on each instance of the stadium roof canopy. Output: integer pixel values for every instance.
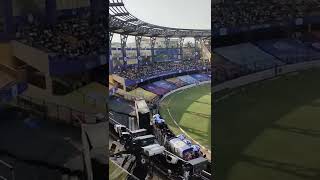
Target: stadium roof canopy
(122, 22)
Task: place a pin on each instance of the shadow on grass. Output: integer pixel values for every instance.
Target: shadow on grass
(299, 171)
(198, 114)
(180, 102)
(201, 134)
(242, 117)
(306, 132)
(201, 102)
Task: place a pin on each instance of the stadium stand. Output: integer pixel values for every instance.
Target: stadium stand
(147, 95)
(312, 40)
(165, 85)
(73, 36)
(201, 77)
(229, 14)
(152, 90)
(224, 69)
(289, 50)
(188, 79)
(155, 89)
(248, 55)
(160, 68)
(38, 139)
(5, 79)
(119, 104)
(177, 82)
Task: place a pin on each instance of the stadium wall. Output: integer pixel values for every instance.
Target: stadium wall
(266, 74)
(5, 53)
(31, 56)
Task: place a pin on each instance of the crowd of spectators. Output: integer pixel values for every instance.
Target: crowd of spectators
(158, 68)
(242, 13)
(224, 70)
(72, 37)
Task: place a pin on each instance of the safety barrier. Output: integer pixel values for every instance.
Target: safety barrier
(49, 110)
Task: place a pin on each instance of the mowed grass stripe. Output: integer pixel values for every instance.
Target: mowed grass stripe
(191, 109)
(116, 173)
(270, 130)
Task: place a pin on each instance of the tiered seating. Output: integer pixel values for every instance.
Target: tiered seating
(188, 79)
(251, 12)
(157, 69)
(165, 85)
(200, 77)
(177, 82)
(312, 40)
(249, 56)
(5, 79)
(289, 50)
(224, 70)
(147, 95)
(74, 36)
(155, 89)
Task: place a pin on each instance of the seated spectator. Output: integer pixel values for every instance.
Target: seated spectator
(70, 37)
(158, 68)
(251, 12)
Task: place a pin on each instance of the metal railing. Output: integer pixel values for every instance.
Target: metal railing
(49, 110)
(7, 165)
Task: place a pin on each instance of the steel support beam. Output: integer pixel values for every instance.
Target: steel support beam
(138, 46)
(115, 4)
(180, 45)
(124, 39)
(110, 53)
(197, 42)
(167, 42)
(152, 44)
(117, 21)
(120, 14)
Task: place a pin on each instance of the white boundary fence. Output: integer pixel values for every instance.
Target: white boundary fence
(266, 74)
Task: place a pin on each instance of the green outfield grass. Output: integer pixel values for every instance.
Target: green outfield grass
(191, 109)
(270, 130)
(116, 173)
